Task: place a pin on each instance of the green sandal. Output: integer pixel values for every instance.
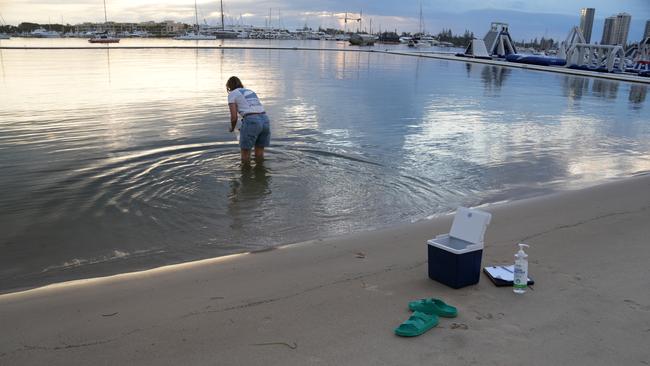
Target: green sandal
(433, 306)
(417, 324)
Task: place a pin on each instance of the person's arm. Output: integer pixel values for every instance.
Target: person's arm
(233, 116)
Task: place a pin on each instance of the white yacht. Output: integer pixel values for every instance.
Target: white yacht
(43, 33)
(191, 36)
(140, 34)
(341, 37)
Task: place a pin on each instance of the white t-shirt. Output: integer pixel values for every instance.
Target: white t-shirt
(246, 100)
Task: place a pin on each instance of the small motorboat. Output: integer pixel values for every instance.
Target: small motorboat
(103, 38)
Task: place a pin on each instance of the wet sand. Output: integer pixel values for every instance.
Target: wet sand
(337, 301)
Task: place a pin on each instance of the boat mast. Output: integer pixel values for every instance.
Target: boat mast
(105, 18)
(196, 16)
(223, 26)
(421, 25)
(360, 21)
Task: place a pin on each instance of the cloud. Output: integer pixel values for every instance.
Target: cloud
(458, 15)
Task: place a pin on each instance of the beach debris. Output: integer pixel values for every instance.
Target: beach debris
(459, 326)
(293, 345)
(360, 255)
(111, 314)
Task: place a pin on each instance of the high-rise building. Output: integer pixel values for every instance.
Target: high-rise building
(646, 34)
(616, 29)
(608, 30)
(587, 22)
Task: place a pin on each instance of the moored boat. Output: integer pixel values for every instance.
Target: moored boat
(195, 37)
(43, 33)
(103, 38)
(361, 39)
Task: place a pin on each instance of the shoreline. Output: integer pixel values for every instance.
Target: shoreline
(336, 301)
(487, 203)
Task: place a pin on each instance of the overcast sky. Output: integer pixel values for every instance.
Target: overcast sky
(400, 15)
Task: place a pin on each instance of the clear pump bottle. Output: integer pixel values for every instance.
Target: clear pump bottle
(521, 270)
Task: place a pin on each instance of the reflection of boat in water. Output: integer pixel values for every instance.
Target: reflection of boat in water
(103, 38)
(361, 39)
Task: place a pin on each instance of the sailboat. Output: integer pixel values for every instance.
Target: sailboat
(196, 35)
(225, 33)
(104, 37)
(360, 39)
(422, 39)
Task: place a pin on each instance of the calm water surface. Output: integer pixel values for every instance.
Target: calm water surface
(120, 160)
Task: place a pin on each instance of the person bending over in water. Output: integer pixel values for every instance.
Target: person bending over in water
(255, 130)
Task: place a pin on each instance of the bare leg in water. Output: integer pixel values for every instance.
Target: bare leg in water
(259, 154)
(246, 155)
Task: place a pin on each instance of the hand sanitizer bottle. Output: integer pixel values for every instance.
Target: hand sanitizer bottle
(521, 270)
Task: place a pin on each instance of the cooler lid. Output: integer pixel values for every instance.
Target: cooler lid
(470, 224)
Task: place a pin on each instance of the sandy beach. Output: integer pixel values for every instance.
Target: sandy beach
(337, 301)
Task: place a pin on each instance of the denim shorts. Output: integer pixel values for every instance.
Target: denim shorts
(255, 131)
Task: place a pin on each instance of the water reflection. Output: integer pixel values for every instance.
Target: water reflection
(347, 65)
(248, 191)
(108, 64)
(494, 76)
(2, 67)
(637, 94)
(252, 184)
(605, 88)
(575, 87)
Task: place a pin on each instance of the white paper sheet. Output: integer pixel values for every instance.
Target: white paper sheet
(506, 273)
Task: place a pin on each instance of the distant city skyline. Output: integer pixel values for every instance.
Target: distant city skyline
(528, 19)
(587, 22)
(616, 29)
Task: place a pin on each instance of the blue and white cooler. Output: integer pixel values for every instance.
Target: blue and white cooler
(455, 258)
